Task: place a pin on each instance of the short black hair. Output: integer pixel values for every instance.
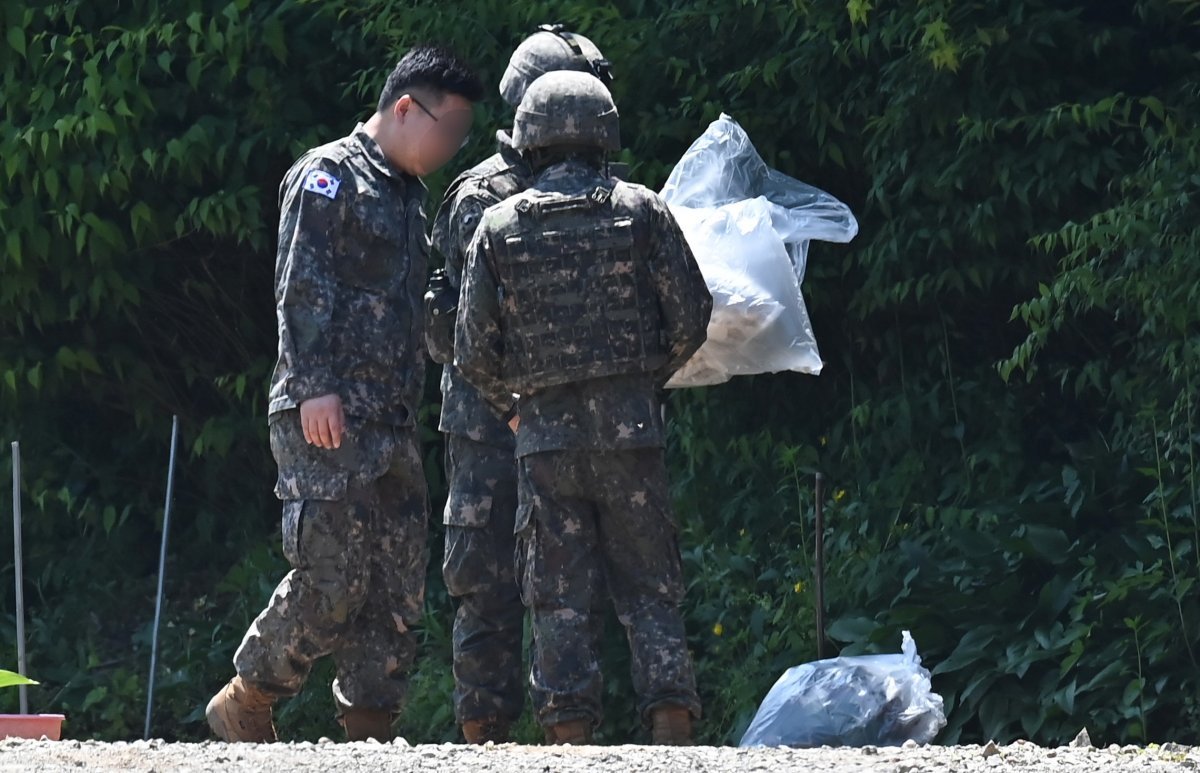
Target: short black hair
(434, 68)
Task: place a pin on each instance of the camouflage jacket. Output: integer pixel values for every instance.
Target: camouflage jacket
(614, 412)
(349, 275)
(464, 411)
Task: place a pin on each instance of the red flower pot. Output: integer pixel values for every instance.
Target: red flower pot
(33, 726)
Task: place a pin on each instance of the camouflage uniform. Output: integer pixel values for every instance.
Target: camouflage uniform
(481, 470)
(594, 502)
(481, 473)
(350, 271)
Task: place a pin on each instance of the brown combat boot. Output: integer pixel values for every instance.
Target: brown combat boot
(241, 713)
(671, 726)
(362, 724)
(480, 731)
(576, 731)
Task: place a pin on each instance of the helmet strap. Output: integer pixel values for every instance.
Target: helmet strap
(567, 37)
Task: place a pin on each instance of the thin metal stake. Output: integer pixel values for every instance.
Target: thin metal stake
(819, 564)
(23, 693)
(162, 564)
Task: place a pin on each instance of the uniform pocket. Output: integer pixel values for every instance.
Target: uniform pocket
(473, 480)
(465, 508)
(305, 471)
(313, 482)
(369, 257)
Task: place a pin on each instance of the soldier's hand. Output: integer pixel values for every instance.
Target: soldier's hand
(323, 421)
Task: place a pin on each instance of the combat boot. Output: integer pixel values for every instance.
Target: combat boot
(575, 731)
(671, 726)
(241, 713)
(362, 724)
(480, 731)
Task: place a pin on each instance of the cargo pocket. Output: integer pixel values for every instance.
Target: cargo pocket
(301, 488)
(469, 503)
(312, 481)
(307, 472)
(467, 508)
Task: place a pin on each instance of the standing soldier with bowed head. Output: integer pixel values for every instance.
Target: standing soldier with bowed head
(349, 275)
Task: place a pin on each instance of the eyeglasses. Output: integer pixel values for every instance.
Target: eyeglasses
(453, 128)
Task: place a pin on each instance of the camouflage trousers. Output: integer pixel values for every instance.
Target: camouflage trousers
(355, 521)
(479, 570)
(587, 518)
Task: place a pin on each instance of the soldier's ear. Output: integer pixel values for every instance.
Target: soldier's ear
(401, 107)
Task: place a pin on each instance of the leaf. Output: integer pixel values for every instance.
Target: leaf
(12, 243)
(1155, 106)
(94, 696)
(13, 679)
(103, 122)
(971, 649)
(16, 39)
(852, 629)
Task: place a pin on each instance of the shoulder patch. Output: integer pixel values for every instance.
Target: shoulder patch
(323, 183)
(469, 214)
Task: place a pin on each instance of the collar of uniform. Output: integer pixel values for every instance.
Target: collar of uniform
(370, 148)
(567, 172)
(510, 154)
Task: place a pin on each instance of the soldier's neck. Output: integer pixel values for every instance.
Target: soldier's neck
(377, 129)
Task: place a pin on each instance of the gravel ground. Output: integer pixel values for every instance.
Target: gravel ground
(144, 756)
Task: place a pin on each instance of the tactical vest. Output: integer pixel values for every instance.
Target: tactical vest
(576, 293)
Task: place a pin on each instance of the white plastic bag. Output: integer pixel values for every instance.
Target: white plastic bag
(868, 700)
(749, 227)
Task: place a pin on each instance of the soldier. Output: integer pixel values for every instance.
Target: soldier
(481, 468)
(348, 280)
(581, 296)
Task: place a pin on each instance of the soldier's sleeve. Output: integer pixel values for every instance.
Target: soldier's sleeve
(308, 226)
(465, 217)
(453, 227)
(478, 341)
(684, 298)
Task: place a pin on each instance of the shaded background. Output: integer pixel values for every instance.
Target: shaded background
(1006, 416)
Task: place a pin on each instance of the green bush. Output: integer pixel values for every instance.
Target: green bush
(1006, 417)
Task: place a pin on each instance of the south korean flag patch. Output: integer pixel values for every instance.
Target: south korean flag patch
(322, 182)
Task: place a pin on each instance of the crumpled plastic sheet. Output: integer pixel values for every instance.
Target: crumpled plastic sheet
(749, 227)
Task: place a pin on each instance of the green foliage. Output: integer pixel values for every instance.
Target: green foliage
(13, 679)
(141, 147)
(1007, 415)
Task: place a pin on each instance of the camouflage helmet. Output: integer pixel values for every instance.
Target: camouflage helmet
(549, 49)
(567, 108)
